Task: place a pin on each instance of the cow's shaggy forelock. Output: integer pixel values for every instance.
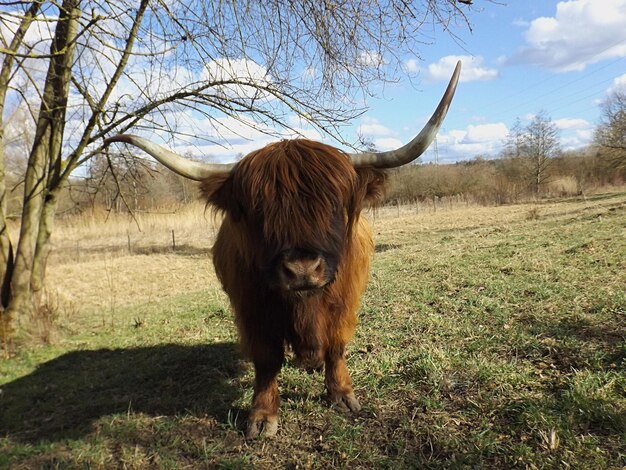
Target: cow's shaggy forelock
(300, 192)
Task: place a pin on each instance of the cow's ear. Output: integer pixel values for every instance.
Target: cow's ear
(371, 185)
(218, 191)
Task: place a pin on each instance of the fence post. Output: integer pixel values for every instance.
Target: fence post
(173, 241)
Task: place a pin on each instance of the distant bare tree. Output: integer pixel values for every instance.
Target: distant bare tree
(514, 141)
(116, 182)
(531, 149)
(540, 144)
(611, 132)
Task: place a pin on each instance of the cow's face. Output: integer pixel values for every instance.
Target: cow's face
(296, 203)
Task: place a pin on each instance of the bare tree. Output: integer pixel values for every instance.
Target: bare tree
(116, 182)
(531, 149)
(156, 65)
(611, 132)
(514, 141)
(540, 144)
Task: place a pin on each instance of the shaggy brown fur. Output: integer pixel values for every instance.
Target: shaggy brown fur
(304, 196)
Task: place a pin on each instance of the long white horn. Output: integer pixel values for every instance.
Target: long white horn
(412, 150)
(183, 166)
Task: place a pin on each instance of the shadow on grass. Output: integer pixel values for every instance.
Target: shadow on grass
(382, 247)
(578, 343)
(63, 397)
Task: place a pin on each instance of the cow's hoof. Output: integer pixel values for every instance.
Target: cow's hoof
(262, 426)
(345, 402)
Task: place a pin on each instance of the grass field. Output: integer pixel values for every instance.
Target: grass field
(488, 337)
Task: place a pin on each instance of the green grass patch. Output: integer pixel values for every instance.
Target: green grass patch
(495, 346)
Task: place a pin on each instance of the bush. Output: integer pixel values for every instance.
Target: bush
(505, 180)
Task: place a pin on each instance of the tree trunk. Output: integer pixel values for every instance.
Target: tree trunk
(537, 175)
(6, 247)
(35, 185)
(45, 160)
(42, 249)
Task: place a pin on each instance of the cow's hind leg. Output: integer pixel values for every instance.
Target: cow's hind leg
(338, 381)
(263, 419)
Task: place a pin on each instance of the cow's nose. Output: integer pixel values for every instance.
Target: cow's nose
(302, 268)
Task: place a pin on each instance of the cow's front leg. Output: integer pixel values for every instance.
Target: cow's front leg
(338, 381)
(263, 419)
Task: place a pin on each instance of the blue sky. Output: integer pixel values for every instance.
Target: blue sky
(522, 57)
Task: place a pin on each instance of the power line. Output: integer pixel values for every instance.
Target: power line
(548, 79)
(556, 98)
(554, 76)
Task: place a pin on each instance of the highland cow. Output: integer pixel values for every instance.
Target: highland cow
(293, 251)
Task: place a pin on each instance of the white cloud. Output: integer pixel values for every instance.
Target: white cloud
(309, 73)
(485, 133)
(238, 70)
(411, 66)
(465, 144)
(572, 123)
(585, 135)
(575, 132)
(231, 151)
(370, 59)
(577, 139)
(619, 83)
(473, 69)
(38, 36)
(371, 127)
(229, 137)
(387, 143)
(581, 32)
(141, 83)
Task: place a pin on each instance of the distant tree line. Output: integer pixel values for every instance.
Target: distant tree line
(120, 184)
(531, 165)
(114, 183)
(505, 180)
(611, 133)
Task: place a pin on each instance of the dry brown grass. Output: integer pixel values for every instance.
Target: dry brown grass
(90, 235)
(91, 266)
(390, 221)
(564, 186)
